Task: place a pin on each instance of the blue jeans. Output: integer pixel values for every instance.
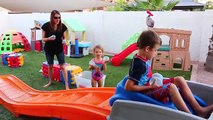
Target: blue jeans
(50, 58)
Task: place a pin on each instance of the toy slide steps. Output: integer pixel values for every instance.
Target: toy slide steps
(116, 59)
(75, 104)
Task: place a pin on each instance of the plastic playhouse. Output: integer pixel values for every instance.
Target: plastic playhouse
(75, 46)
(175, 55)
(36, 36)
(13, 42)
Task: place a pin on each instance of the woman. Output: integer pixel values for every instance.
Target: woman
(53, 32)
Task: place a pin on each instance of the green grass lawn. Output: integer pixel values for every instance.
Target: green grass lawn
(29, 73)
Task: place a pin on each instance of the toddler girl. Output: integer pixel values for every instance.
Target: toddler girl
(98, 65)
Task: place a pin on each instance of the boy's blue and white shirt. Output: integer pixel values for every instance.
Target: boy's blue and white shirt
(140, 70)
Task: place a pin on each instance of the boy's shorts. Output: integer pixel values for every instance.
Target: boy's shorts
(161, 93)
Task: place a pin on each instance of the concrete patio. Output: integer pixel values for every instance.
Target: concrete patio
(199, 74)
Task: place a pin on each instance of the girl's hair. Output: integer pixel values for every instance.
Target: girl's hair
(98, 47)
(52, 15)
(148, 38)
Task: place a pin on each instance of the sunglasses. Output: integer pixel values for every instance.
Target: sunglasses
(57, 17)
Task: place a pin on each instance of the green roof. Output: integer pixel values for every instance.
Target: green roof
(74, 25)
(164, 48)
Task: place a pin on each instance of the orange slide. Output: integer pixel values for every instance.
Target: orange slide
(116, 59)
(75, 104)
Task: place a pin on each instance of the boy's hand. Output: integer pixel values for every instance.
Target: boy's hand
(154, 84)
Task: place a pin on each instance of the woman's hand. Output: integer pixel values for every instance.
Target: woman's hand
(52, 37)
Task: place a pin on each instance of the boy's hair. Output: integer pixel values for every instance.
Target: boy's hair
(98, 47)
(148, 38)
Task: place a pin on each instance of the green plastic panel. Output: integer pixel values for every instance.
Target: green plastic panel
(6, 43)
(74, 25)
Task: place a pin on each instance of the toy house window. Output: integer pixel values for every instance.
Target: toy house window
(8, 48)
(177, 63)
(176, 43)
(165, 39)
(183, 43)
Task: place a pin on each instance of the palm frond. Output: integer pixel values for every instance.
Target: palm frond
(171, 4)
(160, 3)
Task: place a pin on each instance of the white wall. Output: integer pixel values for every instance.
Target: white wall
(206, 33)
(112, 29)
(21, 23)
(3, 22)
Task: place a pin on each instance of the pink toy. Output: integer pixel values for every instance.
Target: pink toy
(98, 75)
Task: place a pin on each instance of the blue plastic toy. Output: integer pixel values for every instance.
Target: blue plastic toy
(77, 54)
(122, 94)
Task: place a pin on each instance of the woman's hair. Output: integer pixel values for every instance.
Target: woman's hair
(148, 38)
(98, 47)
(52, 15)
